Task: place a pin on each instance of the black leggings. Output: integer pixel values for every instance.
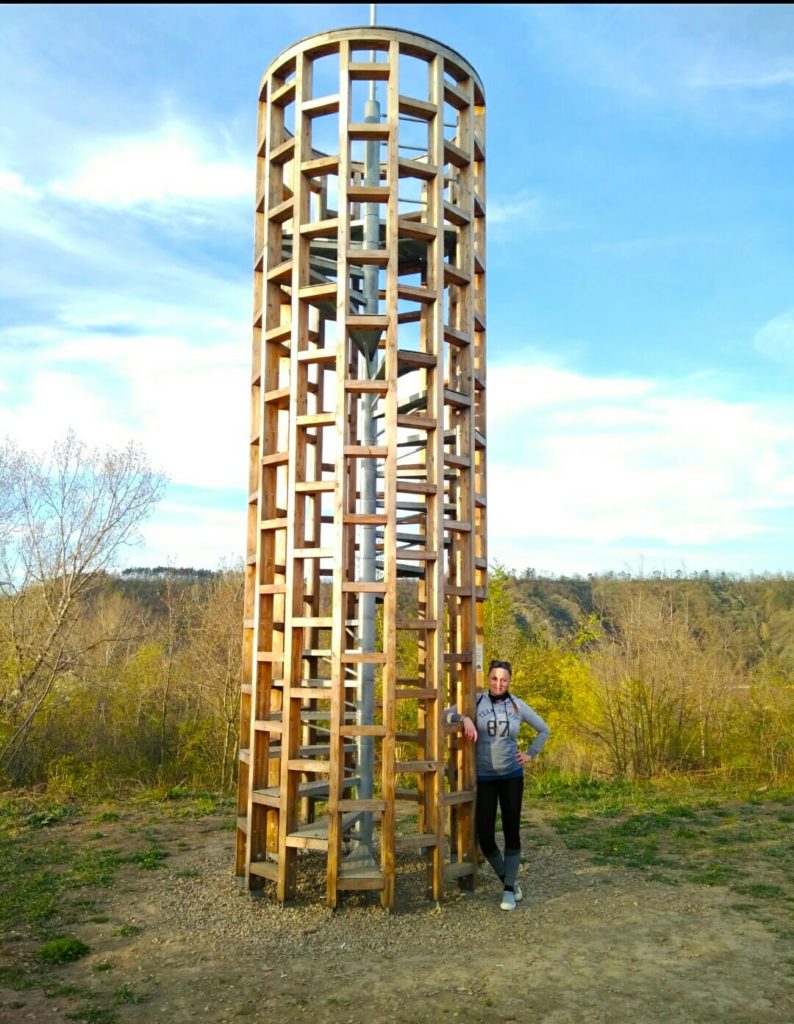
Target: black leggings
(508, 793)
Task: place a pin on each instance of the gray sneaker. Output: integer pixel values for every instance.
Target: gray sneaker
(517, 893)
(508, 901)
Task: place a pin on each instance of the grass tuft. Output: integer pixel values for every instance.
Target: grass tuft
(62, 950)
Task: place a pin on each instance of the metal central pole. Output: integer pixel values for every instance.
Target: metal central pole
(371, 289)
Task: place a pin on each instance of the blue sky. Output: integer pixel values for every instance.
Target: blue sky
(640, 265)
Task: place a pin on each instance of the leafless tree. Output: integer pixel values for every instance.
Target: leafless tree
(64, 520)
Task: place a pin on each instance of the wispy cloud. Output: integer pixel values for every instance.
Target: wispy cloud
(172, 164)
(717, 61)
(11, 184)
(524, 210)
(776, 338)
(709, 80)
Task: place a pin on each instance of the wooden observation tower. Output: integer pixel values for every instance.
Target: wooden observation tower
(366, 563)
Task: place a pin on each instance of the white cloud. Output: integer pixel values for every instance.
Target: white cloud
(776, 338)
(524, 210)
(606, 461)
(173, 164)
(191, 534)
(11, 184)
(185, 402)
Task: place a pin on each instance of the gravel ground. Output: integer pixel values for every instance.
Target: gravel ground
(588, 945)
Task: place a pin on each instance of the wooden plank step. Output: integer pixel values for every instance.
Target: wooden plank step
(314, 836)
(423, 840)
(459, 870)
(264, 869)
(462, 796)
(408, 767)
(353, 881)
(315, 789)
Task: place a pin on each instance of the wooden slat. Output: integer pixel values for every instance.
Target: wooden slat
(368, 71)
(463, 796)
(368, 193)
(411, 767)
(307, 764)
(368, 257)
(456, 97)
(365, 451)
(264, 869)
(283, 152)
(284, 94)
(320, 105)
(452, 872)
(363, 658)
(318, 292)
(369, 132)
(375, 387)
(416, 169)
(320, 228)
(455, 337)
(416, 293)
(409, 228)
(425, 840)
(455, 215)
(319, 166)
(415, 693)
(417, 108)
(455, 155)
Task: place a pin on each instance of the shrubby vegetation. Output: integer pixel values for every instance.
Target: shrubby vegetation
(114, 680)
(637, 678)
(646, 677)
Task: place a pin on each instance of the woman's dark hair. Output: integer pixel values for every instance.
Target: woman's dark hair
(495, 663)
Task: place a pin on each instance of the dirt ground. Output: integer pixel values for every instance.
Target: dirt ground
(588, 945)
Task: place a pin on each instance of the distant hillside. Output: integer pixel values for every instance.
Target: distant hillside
(754, 616)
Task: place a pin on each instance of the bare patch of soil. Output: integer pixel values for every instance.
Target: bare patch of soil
(587, 945)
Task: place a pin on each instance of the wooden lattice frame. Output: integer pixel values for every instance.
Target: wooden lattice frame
(302, 647)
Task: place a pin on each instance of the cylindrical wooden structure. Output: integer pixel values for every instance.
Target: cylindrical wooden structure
(366, 562)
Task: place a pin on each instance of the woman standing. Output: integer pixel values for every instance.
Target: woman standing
(500, 772)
